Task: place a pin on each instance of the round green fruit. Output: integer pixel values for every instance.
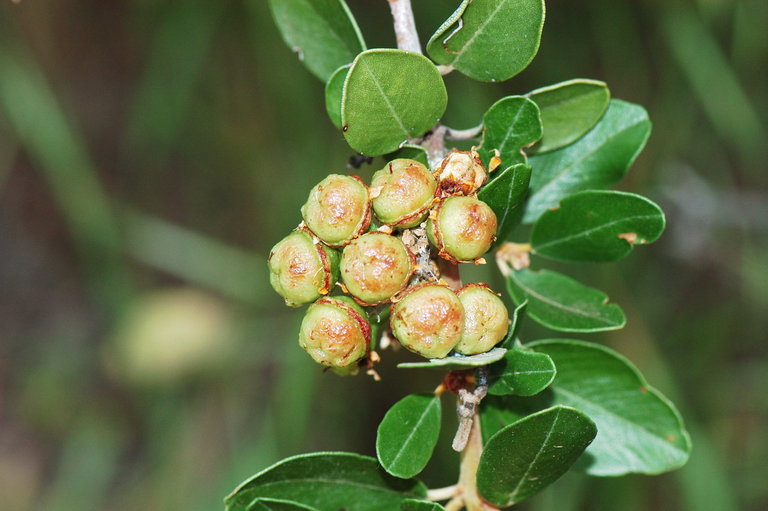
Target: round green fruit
(336, 333)
(407, 189)
(428, 320)
(462, 228)
(301, 269)
(486, 319)
(375, 267)
(338, 209)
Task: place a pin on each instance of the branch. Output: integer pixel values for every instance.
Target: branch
(405, 26)
(467, 134)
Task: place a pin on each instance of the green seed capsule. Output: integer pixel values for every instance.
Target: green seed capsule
(407, 191)
(486, 319)
(336, 333)
(376, 266)
(302, 270)
(338, 209)
(428, 320)
(460, 173)
(462, 228)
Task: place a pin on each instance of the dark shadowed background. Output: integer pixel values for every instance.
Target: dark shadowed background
(151, 152)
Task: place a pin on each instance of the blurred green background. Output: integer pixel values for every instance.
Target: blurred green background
(151, 152)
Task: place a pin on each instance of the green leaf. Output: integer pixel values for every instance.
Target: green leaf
(420, 505)
(327, 481)
(561, 303)
(530, 454)
(639, 430)
(522, 372)
(596, 226)
(412, 152)
(277, 505)
(597, 160)
(390, 95)
(457, 361)
(323, 32)
(408, 434)
(506, 194)
(489, 40)
(334, 89)
(510, 124)
(569, 110)
(517, 320)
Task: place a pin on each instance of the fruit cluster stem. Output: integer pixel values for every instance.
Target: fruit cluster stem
(405, 26)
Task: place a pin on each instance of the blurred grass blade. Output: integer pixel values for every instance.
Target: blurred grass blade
(196, 258)
(179, 50)
(712, 79)
(41, 126)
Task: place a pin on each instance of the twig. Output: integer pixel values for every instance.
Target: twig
(441, 493)
(467, 409)
(405, 26)
(467, 134)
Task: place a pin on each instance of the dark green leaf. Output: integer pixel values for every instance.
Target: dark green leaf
(277, 505)
(596, 225)
(569, 110)
(489, 40)
(408, 433)
(522, 372)
(510, 124)
(390, 95)
(412, 152)
(457, 361)
(639, 430)
(530, 454)
(517, 320)
(563, 304)
(328, 482)
(323, 32)
(597, 160)
(506, 194)
(420, 505)
(334, 89)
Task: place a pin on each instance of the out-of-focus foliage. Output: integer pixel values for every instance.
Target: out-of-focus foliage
(154, 151)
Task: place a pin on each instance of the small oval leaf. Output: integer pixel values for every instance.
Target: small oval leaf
(420, 505)
(597, 226)
(569, 110)
(506, 194)
(509, 125)
(561, 303)
(457, 361)
(390, 95)
(489, 40)
(334, 89)
(323, 32)
(327, 480)
(408, 434)
(522, 372)
(527, 456)
(597, 160)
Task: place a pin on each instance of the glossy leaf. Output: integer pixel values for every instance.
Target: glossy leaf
(489, 40)
(527, 456)
(457, 361)
(516, 322)
(327, 481)
(334, 89)
(569, 110)
(390, 95)
(277, 505)
(563, 304)
(420, 505)
(323, 33)
(596, 226)
(597, 160)
(639, 430)
(412, 152)
(506, 194)
(509, 125)
(408, 434)
(521, 372)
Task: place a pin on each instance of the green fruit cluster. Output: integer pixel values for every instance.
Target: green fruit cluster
(370, 246)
